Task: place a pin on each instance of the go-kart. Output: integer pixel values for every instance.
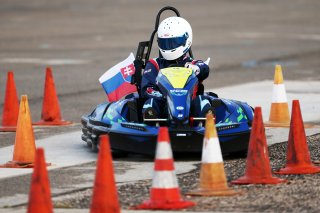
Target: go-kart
(129, 132)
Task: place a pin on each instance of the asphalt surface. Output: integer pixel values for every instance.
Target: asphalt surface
(81, 39)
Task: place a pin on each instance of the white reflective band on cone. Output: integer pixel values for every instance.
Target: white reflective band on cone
(211, 152)
(279, 94)
(163, 150)
(164, 179)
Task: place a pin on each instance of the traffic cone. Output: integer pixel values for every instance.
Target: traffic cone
(258, 170)
(165, 192)
(279, 113)
(24, 147)
(51, 115)
(40, 194)
(11, 106)
(213, 181)
(105, 197)
(298, 156)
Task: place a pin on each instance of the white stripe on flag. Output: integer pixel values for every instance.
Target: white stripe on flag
(116, 68)
(163, 150)
(164, 179)
(279, 94)
(211, 152)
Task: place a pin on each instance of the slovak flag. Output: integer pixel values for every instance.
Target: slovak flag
(116, 81)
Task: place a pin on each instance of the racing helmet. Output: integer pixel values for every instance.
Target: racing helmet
(174, 37)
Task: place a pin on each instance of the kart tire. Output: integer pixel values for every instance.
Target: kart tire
(240, 154)
(119, 153)
(89, 143)
(94, 147)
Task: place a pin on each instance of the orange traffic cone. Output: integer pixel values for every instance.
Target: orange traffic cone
(298, 156)
(105, 197)
(40, 194)
(51, 115)
(258, 170)
(11, 106)
(213, 180)
(24, 147)
(279, 113)
(165, 193)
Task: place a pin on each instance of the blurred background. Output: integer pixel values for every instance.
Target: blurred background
(81, 39)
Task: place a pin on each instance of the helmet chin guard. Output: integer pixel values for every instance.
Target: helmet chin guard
(174, 37)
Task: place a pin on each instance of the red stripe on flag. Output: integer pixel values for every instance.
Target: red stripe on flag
(123, 90)
(163, 165)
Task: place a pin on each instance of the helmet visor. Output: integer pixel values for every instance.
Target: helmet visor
(172, 43)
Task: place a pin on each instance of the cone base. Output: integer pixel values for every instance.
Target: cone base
(244, 180)
(276, 124)
(14, 164)
(19, 165)
(214, 192)
(52, 123)
(165, 205)
(309, 169)
(8, 128)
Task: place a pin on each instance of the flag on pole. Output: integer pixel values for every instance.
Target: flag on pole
(116, 81)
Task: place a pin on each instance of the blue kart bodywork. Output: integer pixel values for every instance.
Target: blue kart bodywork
(233, 123)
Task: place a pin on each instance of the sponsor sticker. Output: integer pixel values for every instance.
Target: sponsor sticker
(178, 92)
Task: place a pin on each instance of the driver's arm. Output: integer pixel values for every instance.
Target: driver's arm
(149, 89)
(199, 67)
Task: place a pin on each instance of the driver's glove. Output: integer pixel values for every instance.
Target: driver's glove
(152, 93)
(194, 67)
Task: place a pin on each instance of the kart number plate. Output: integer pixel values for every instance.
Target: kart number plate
(181, 134)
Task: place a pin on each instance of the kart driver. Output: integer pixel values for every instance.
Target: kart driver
(174, 42)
